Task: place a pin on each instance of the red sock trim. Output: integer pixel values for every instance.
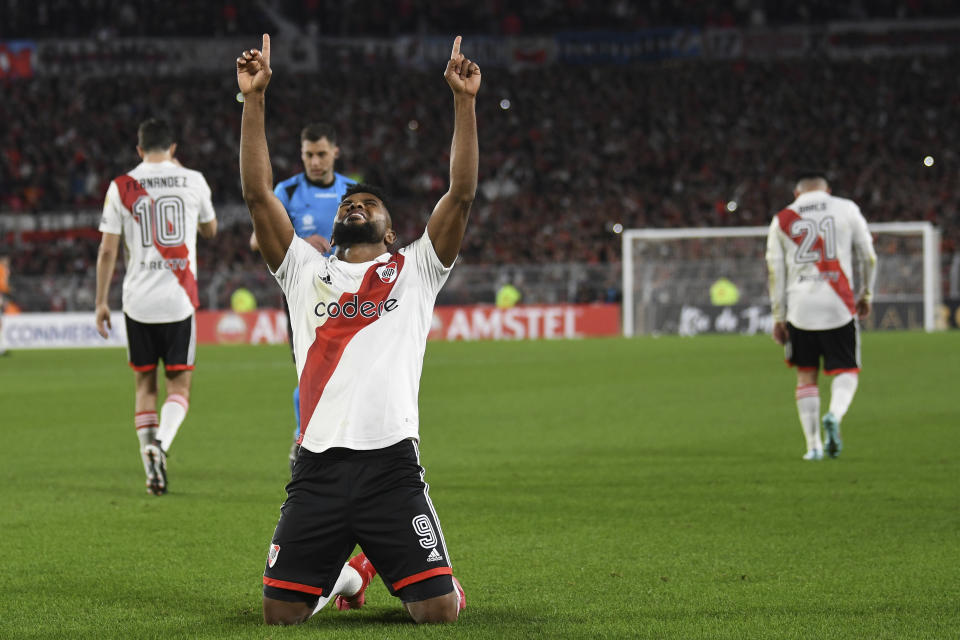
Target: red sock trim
(423, 575)
(292, 586)
(179, 399)
(807, 391)
(145, 419)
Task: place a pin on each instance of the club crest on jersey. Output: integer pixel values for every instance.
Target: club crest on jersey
(388, 272)
(272, 556)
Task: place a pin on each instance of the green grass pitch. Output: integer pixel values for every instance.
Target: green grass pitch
(648, 488)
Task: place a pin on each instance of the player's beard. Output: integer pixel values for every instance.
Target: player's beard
(347, 235)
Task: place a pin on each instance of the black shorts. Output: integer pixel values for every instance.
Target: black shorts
(840, 348)
(343, 497)
(173, 342)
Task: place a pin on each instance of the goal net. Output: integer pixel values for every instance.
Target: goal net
(714, 280)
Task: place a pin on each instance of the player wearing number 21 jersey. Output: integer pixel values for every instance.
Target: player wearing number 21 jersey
(157, 209)
(812, 248)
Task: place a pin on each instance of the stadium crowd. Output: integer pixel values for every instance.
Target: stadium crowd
(186, 18)
(567, 153)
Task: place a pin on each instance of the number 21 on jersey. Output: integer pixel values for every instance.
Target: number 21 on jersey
(809, 250)
(162, 221)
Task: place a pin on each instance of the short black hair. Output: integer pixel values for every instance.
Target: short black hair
(154, 135)
(812, 174)
(316, 130)
(362, 187)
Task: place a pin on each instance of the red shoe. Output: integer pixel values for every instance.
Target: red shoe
(461, 597)
(366, 571)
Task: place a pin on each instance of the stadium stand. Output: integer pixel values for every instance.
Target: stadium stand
(185, 18)
(567, 152)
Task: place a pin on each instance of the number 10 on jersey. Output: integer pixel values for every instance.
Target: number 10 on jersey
(162, 221)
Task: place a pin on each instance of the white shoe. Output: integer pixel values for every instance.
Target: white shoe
(813, 454)
(831, 428)
(157, 469)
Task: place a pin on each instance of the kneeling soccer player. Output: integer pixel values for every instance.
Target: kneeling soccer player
(360, 321)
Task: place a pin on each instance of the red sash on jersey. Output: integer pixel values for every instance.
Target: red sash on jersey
(841, 285)
(130, 192)
(333, 336)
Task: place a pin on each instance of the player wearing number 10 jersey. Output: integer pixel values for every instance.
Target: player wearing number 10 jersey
(157, 208)
(812, 248)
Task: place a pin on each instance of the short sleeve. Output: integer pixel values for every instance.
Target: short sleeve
(112, 219)
(431, 269)
(207, 213)
(288, 274)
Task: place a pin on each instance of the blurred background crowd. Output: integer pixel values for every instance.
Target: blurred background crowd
(186, 18)
(570, 155)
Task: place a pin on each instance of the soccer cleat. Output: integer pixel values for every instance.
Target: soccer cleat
(156, 469)
(813, 454)
(831, 429)
(461, 597)
(366, 571)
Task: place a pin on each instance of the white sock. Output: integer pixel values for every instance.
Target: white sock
(808, 408)
(348, 583)
(172, 413)
(841, 393)
(146, 424)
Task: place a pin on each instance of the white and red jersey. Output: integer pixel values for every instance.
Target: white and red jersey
(157, 207)
(811, 248)
(359, 335)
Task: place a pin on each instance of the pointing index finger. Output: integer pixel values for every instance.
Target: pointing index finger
(456, 48)
(265, 48)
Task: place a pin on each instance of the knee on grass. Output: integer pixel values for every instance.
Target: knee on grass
(445, 608)
(278, 612)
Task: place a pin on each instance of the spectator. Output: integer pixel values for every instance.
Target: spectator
(647, 145)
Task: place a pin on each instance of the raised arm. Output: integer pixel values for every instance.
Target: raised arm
(271, 224)
(449, 218)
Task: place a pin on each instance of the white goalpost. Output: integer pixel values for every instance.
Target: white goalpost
(668, 273)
